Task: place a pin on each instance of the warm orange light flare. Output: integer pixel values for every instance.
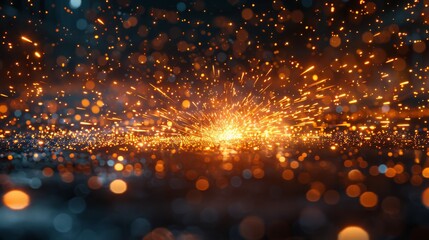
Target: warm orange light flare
(118, 186)
(353, 233)
(16, 199)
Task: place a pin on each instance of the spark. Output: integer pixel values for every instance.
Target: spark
(100, 21)
(308, 70)
(26, 39)
(160, 91)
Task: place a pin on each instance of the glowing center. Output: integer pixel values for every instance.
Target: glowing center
(228, 134)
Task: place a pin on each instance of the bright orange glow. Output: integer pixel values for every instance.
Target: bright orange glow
(95, 109)
(226, 133)
(368, 199)
(118, 186)
(3, 108)
(425, 197)
(119, 167)
(353, 233)
(16, 200)
(186, 104)
(85, 102)
(425, 173)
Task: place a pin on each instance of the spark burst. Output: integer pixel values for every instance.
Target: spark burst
(214, 97)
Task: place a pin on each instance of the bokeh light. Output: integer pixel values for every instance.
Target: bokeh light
(425, 197)
(353, 233)
(368, 199)
(118, 186)
(252, 227)
(16, 199)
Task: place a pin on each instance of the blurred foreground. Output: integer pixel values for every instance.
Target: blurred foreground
(298, 194)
